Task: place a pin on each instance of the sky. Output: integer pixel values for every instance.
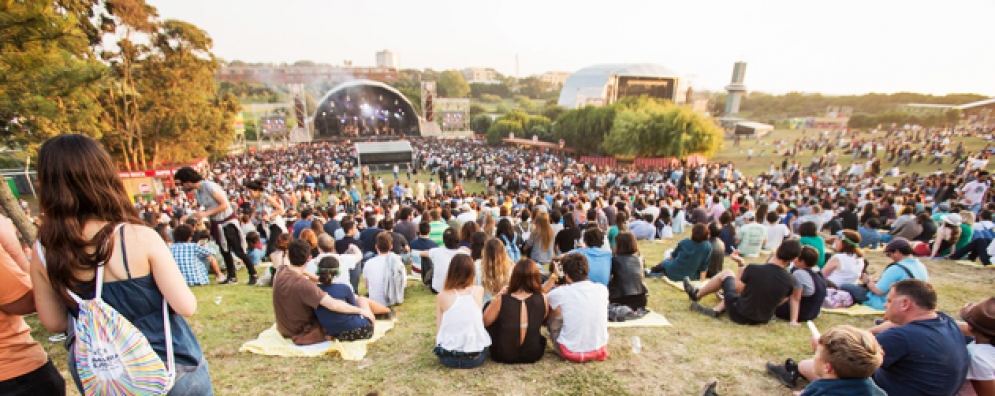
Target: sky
(839, 47)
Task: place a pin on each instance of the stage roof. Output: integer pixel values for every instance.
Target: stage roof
(383, 147)
(590, 82)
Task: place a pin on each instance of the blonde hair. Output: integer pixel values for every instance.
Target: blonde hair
(543, 230)
(495, 266)
(853, 353)
(489, 224)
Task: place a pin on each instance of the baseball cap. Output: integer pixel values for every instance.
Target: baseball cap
(896, 244)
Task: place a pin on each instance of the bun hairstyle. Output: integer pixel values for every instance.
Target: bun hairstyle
(328, 269)
(254, 185)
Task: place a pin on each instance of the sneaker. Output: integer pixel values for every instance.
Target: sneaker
(704, 310)
(786, 374)
(878, 322)
(220, 279)
(690, 289)
(252, 280)
(387, 316)
(709, 389)
(230, 281)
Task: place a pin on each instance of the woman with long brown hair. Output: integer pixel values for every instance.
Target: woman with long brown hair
(515, 316)
(92, 234)
(541, 240)
(461, 340)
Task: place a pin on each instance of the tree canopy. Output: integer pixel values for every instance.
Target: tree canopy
(451, 84)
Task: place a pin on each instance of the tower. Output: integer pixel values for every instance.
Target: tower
(736, 89)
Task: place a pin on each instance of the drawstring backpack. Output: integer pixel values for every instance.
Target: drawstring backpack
(112, 356)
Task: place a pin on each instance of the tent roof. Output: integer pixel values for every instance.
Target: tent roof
(384, 147)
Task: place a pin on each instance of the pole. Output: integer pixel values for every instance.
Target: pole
(31, 184)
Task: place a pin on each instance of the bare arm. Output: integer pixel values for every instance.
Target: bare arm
(438, 311)
(336, 305)
(794, 302)
(492, 311)
(832, 265)
(984, 387)
(51, 309)
(12, 245)
(276, 205)
(22, 306)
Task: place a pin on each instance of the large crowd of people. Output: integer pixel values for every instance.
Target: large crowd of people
(547, 242)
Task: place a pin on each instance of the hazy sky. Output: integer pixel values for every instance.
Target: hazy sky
(838, 47)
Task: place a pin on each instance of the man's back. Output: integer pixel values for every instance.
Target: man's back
(599, 262)
(924, 357)
(407, 228)
(585, 327)
(369, 239)
(767, 285)
(299, 226)
(374, 271)
(294, 300)
(331, 226)
(751, 236)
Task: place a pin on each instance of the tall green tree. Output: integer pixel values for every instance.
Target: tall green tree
(658, 129)
(585, 129)
(451, 84)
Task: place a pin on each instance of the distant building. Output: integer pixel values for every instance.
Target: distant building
(981, 110)
(387, 59)
(302, 74)
(736, 89)
(605, 84)
(480, 75)
(555, 78)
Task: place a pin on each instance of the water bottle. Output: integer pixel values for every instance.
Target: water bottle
(637, 344)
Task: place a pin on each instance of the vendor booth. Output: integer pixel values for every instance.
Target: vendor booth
(154, 184)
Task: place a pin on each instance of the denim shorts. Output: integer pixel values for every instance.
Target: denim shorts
(461, 360)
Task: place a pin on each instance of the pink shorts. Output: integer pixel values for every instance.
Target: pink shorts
(599, 354)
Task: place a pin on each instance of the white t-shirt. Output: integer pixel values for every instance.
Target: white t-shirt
(373, 271)
(982, 367)
(585, 320)
(346, 263)
(974, 192)
(751, 238)
(441, 257)
(775, 235)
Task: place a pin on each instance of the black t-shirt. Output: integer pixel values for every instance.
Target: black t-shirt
(566, 239)
(849, 220)
(342, 245)
(767, 285)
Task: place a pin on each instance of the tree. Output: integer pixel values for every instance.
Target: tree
(480, 124)
(552, 112)
(953, 115)
(660, 129)
(501, 108)
(501, 129)
(524, 103)
(476, 109)
(585, 129)
(451, 84)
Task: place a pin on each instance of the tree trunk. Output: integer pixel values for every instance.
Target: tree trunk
(16, 214)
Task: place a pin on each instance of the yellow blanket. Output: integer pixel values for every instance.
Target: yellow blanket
(969, 263)
(651, 319)
(271, 343)
(680, 285)
(855, 310)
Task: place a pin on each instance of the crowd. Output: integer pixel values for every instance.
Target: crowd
(550, 242)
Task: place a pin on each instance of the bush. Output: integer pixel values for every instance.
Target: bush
(488, 98)
(501, 129)
(481, 123)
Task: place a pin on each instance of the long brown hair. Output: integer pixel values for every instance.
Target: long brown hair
(78, 182)
(544, 230)
(525, 277)
(496, 266)
(460, 274)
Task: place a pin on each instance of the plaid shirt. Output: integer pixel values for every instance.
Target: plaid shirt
(191, 258)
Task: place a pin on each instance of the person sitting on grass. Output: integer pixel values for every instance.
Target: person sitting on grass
(805, 302)
(924, 351)
(600, 260)
(750, 237)
(578, 324)
(904, 266)
(190, 258)
(295, 298)
(626, 286)
(809, 235)
(845, 359)
(342, 327)
(515, 316)
(752, 296)
(979, 322)
(461, 340)
(689, 259)
(384, 273)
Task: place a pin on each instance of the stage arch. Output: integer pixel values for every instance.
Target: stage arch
(364, 108)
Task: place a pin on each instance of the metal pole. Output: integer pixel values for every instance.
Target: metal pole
(31, 184)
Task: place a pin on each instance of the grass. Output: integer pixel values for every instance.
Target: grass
(675, 360)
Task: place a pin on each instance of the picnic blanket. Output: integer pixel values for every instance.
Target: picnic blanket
(969, 263)
(271, 343)
(652, 319)
(680, 285)
(854, 310)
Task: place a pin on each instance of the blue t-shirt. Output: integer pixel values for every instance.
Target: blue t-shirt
(925, 357)
(599, 261)
(843, 387)
(869, 237)
(300, 225)
(894, 274)
(334, 322)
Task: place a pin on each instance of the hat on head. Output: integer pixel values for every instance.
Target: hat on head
(944, 207)
(981, 316)
(748, 216)
(896, 244)
(677, 204)
(953, 219)
(466, 207)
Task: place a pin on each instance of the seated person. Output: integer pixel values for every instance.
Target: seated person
(347, 261)
(384, 273)
(751, 296)
(979, 322)
(689, 259)
(461, 341)
(256, 250)
(808, 235)
(847, 264)
(515, 316)
(642, 228)
(577, 326)
(420, 264)
(845, 359)
(343, 327)
(806, 300)
(904, 266)
(870, 238)
(751, 237)
(599, 260)
(295, 298)
(626, 285)
(924, 351)
(190, 258)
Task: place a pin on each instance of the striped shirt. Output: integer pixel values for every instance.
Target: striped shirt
(190, 258)
(438, 227)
